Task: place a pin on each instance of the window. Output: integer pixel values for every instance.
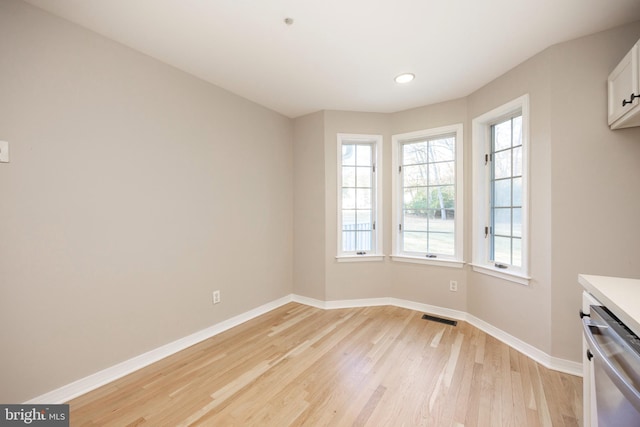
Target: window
(359, 212)
(505, 187)
(428, 196)
(500, 191)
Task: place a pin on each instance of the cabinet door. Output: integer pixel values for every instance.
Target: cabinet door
(623, 81)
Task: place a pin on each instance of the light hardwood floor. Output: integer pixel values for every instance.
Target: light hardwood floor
(374, 366)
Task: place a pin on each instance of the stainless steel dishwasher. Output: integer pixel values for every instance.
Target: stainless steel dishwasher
(615, 352)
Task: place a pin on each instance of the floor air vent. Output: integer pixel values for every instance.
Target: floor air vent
(440, 320)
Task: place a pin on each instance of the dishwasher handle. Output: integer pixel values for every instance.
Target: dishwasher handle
(627, 389)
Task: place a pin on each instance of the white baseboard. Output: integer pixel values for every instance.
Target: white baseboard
(91, 382)
(557, 364)
(350, 303)
(84, 385)
(309, 301)
(564, 365)
(561, 365)
(432, 309)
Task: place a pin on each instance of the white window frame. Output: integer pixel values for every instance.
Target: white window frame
(481, 145)
(455, 261)
(376, 253)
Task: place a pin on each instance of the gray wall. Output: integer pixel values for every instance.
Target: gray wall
(347, 280)
(506, 305)
(360, 279)
(423, 283)
(584, 180)
(309, 212)
(584, 209)
(134, 191)
(595, 176)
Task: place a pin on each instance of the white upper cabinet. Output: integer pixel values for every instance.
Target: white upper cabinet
(624, 93)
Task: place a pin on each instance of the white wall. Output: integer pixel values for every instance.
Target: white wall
(134, 191)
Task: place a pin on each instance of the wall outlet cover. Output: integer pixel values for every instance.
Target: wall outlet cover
(4, 151)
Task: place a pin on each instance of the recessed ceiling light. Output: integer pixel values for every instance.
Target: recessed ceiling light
(405, 78)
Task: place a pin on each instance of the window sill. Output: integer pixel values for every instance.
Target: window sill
(506, 275)
(359, 258)
(430, 261)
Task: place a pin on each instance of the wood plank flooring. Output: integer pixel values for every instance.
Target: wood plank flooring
(375, 366)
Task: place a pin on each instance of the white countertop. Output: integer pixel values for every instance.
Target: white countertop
(621, 296)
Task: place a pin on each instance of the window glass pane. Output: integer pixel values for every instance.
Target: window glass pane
(363, 155)
(502, 199)
(363, 218)
(415, 221)
(363, 178)
(415, 175)
(517, 192)
(348, 220)
(415, 241)
(348, 154)
(348, 198)
(414, 153)
(415, 198)
(357, 196)
(442, 243)
(502, 164)
(363, 240)
(442, 220)
(441, 150)
(363, 198)
(517, 161)
(517, 131)
(502, 135)
(442, 197)
(517, 222)
(502, 193)
(428, 185)
(348, 176)
(348, 241)
(517, 253)
(502, 249)
(442, 173)
(502, 222)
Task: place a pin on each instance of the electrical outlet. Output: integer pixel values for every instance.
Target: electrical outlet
(216, 297)
(453, 286)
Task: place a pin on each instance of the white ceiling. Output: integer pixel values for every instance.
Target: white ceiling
(344, 54)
